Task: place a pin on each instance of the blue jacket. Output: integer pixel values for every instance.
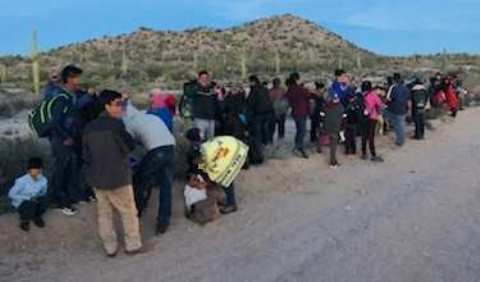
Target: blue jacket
(26, 189)
(51, 90)
(164, 114)
(337, 90)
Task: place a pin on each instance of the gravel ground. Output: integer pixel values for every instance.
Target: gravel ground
(414, 218)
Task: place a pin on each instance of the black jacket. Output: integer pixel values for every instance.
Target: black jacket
(204, 102)
(259, 102)
(106, 146)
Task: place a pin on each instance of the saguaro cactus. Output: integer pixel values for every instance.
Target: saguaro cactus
(278, 62)
(444, 60)
(3, 73)
(359, 61)
(35, 64)
(243, 64)
(124, 66)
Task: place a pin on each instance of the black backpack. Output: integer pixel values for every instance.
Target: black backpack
(419, 98)
(40, 118)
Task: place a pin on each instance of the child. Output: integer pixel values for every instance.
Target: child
(201, 206)
(373, 107)
(333, 125)
(354, 120)
(28, 195)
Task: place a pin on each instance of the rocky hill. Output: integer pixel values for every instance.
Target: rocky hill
(270, 46)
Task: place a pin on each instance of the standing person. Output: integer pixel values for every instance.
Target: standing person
(341, 87)
(316, 118)
(419, 103)
(451, 96)
(157, 168)
(64, 136)
(52, 88)
(280, 106)
(334, 114)
(259, 114)
(354, 120)
(106, 146)
(398, 103)
(28, 195)
(204, 104)
(373, 107)
(299, 98)
(159, 107)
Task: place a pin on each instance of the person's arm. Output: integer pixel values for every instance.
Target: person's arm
(15, 193)
(86, 153)
(43, 188)
(125, 139)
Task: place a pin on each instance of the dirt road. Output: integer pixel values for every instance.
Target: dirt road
(414, 218)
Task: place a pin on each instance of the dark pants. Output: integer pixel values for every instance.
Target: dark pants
(261, 129)
(419, 119)
(351, 139)
(277, 124)
(31, 210)
(334, 138)
(230, 199)
(301, 125)
(157, 169)
(314, 128)
(64, 188)
(368, 134)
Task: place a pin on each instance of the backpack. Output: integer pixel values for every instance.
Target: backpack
(40, 118)
(419, 98)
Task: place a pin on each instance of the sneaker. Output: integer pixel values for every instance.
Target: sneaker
(161, 228)
(69, 211)
(364, 157)
(303, 154)
(138, 251)
(92, 199)
(25, 226)
(228, 209)
(39, 222)
(334, 165)
(112, 255)
(377, 159)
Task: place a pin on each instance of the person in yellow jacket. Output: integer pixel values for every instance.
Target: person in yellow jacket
(221, 159)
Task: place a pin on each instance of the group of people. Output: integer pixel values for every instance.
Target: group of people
(95, 134)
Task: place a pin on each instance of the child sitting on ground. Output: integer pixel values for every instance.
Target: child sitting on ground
(28, 195)
(201, 206)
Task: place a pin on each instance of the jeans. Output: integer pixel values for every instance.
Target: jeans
(230, 199)
(122, 200)
(32, 209)
(278, 124)
(206, 126)
(301, 125)
(157, 169)
(64, 188)
(419, 119)
(368, 134)
(398, 123)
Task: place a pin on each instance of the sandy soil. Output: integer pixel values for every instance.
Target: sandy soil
(413, 218)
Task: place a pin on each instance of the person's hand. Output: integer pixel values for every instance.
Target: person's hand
(68, 142)
(92, 91)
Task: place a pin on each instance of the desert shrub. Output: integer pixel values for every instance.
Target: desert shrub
(12, 104)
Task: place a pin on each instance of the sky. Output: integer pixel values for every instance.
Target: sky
(386, 27)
